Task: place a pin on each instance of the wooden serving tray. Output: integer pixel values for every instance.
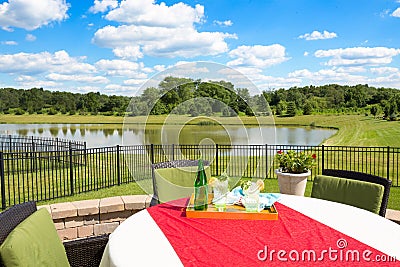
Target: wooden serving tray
(234, 212)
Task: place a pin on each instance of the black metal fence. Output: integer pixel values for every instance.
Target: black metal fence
(16, 143)
(48, 174)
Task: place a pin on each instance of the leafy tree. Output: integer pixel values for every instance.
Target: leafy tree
(375, 109)
(243, 99)
(307, 108)
(280, 108)
(291, 109)
(158, 109)
(194, 111)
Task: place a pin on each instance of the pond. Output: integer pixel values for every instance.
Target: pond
(100, 135)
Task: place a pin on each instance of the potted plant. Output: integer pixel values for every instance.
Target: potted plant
(294, 169)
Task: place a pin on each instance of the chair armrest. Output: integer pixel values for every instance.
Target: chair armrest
(86, 252)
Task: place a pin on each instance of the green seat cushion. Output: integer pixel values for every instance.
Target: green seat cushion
(34, 242)
(175, 183)
(364, 195)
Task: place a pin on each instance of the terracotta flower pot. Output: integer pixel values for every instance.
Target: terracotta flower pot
(292, 183)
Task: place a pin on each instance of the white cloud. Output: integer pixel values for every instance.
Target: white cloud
(134, 82)
(27, 81)
(159, 68)
(389, 81)
(39, 84)
(30, 63)
(384, 70)
(316, 35)
(350, 69)
(358, 56)
(30, 15)
(225, 23)
(121, 68)
(186, 69)
(159, 30)
(147, 13)
(128, 90)
(257, 56)
(396, 13)
(306, 54)
(255, 80)
(325, 76)
(9, 43)
(103, 6)
(267, 82)
(163, 42)
(76, 78)
(25, 78)
(132, 52)
(30, 37)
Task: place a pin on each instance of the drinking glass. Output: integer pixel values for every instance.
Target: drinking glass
(252, 198)
(220, 190)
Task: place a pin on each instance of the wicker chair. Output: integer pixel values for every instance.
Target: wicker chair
(366, 178)
(82, 252)
(170, 164)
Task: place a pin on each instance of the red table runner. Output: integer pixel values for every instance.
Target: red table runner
(294, 239)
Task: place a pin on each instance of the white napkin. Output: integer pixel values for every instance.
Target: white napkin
(236, 196)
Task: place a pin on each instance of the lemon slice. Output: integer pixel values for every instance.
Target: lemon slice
(212, 181)
(260, 184)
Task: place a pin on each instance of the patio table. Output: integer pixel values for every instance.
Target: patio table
(308, 232)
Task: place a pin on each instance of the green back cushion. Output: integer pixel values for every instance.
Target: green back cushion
(360, 194)
(34, 242)
(175, 183)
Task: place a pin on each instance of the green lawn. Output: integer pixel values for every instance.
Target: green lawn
(124, 189)
(353, 130)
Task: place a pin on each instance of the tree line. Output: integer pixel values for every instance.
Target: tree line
(334, 98)
(218, 98)
(39, 101)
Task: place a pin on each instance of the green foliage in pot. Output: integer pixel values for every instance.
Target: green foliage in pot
(295, 162)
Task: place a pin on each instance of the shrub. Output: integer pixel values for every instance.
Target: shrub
(295, 162)
(52, 111)
(19, 111)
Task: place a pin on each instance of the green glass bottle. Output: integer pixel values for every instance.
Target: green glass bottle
(200, 188)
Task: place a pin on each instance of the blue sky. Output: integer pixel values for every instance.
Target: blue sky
(114, 47)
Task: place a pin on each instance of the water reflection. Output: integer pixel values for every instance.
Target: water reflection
(54, 131)
(97, 135)
(73, 131)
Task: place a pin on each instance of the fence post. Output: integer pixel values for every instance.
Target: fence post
(85, 154)
(323, 157)
(3, 182)
(173, 151)
(118, 167)
(216, 159)
(58, 150)
(266, 160)
(388, 163)
(71, 170)
(152, 153)
(10, 138)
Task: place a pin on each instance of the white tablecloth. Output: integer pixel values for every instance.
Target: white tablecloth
(139, 241)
